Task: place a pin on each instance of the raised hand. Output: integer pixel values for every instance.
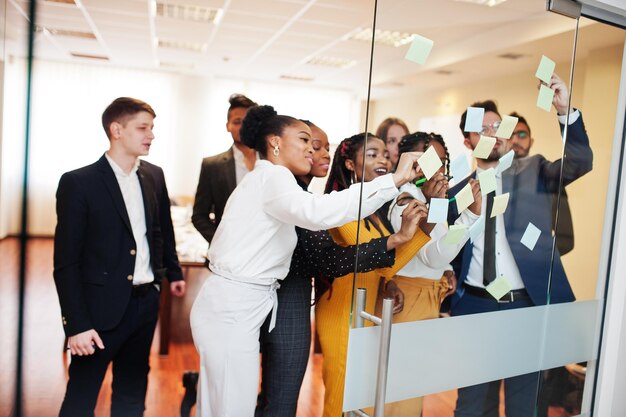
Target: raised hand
(435, 187)
(476, 206)
(407, 169)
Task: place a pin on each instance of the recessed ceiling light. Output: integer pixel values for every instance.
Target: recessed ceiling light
(68, 33)
(187, 46)
(295, 78)
(189, 12)
(385, 37)
(328, 61)
(489, 3)
(88, 56)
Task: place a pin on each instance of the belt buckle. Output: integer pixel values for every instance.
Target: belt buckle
(507, 298)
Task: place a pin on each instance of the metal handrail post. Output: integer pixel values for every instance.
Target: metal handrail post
(383, 357)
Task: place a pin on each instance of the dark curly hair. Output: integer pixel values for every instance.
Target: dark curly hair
(259, 123)
(419, 142)
(238, 101)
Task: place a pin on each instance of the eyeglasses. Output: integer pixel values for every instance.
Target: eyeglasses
(520, 134)
(490, 128)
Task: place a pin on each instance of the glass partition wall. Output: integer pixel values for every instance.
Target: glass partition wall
(349, 67)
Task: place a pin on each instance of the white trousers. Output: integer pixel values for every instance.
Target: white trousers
(226, 318)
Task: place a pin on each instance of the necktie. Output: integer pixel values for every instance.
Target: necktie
(489, 252)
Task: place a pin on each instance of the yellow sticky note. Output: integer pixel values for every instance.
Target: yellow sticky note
(464, 198)
(419, 50)
(484, 146)
(455, 234)
(544, 99)
(507, 125)
(499, 287)
(499, 204)
(487, 181)
(545, 69)
(429, 162)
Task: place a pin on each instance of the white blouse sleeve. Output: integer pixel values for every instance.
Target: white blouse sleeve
(287, 202)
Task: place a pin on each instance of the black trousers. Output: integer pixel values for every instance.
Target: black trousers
(285, 350)
(128, 347)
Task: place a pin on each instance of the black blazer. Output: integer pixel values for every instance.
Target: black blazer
(94, 247)
(217, 182)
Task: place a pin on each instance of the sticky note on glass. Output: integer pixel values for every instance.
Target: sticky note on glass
(545, 69)
(499, 287)
(506, 128)
(438, 210)
(474, 119)
(464, 198)
(456, 233)
(531, 236)
(487, 180)
(499, 204)
(484, 146)
(459, 168)
(429, 162)
(477, 229)
(419, 50)
(505, 162)
(544, 99)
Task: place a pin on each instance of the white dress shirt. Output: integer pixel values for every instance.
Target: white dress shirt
(256, 237)
(435, 256)
(505, 262)
(133, 200)
(241, 169)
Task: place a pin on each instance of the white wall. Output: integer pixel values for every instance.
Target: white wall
(66, 131)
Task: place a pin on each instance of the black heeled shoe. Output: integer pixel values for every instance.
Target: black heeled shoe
(190, 382)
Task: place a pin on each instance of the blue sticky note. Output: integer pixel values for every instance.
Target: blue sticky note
(419, 50)
(544, 99)
(531, 236)
(477, 229)
(474, 119)
(545, 69)
(459, 168)
(438, 210)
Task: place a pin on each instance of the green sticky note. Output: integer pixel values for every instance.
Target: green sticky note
(429, 162)
(464, 198)
(499, 287)
(544, 100)
(499, 204)
(484, 146)
(487, 180)
(455, 234)
(419, 50)
(507, 125)
(545, 69)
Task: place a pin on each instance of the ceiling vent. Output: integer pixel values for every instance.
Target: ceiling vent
(72, 2)
(188, 12)
(87, 56)
(383, 37)
(332, 62)
(184, 46)
(67, 33)
(489, 3)
(512, 56)
(295, 78)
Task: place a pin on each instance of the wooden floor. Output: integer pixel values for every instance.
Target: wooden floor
(45, 364)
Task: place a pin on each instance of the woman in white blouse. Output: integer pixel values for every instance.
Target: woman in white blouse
(252, 249)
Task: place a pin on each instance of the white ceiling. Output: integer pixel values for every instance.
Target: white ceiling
(267, 39)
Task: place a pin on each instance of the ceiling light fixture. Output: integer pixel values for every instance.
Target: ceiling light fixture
(295, 78)
(327, 61)
(489, 3)
(189, 12)
(384, 37)
(187, 46)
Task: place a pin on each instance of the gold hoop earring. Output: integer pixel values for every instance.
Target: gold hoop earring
(276, 150)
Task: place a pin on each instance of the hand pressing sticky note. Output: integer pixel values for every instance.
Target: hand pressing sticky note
(499, 204)
(505, 162)
(484, 146)
(544, 99)
(531, 236)
(507, 125)
(474, 119)
(499, 287)
(477, 229)
(438, 210)
(487, 180)
(545, 69)
(419, 50)
(456, 233)
(429, 162)
(459, 168)
(464, 198)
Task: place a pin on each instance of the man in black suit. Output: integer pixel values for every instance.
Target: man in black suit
(113, 244)
(221, 173)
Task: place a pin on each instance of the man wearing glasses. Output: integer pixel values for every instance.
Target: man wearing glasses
(498, 254)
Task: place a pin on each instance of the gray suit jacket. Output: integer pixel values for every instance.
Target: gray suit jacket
(217, 181)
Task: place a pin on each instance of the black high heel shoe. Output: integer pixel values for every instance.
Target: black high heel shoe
(190, 382)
